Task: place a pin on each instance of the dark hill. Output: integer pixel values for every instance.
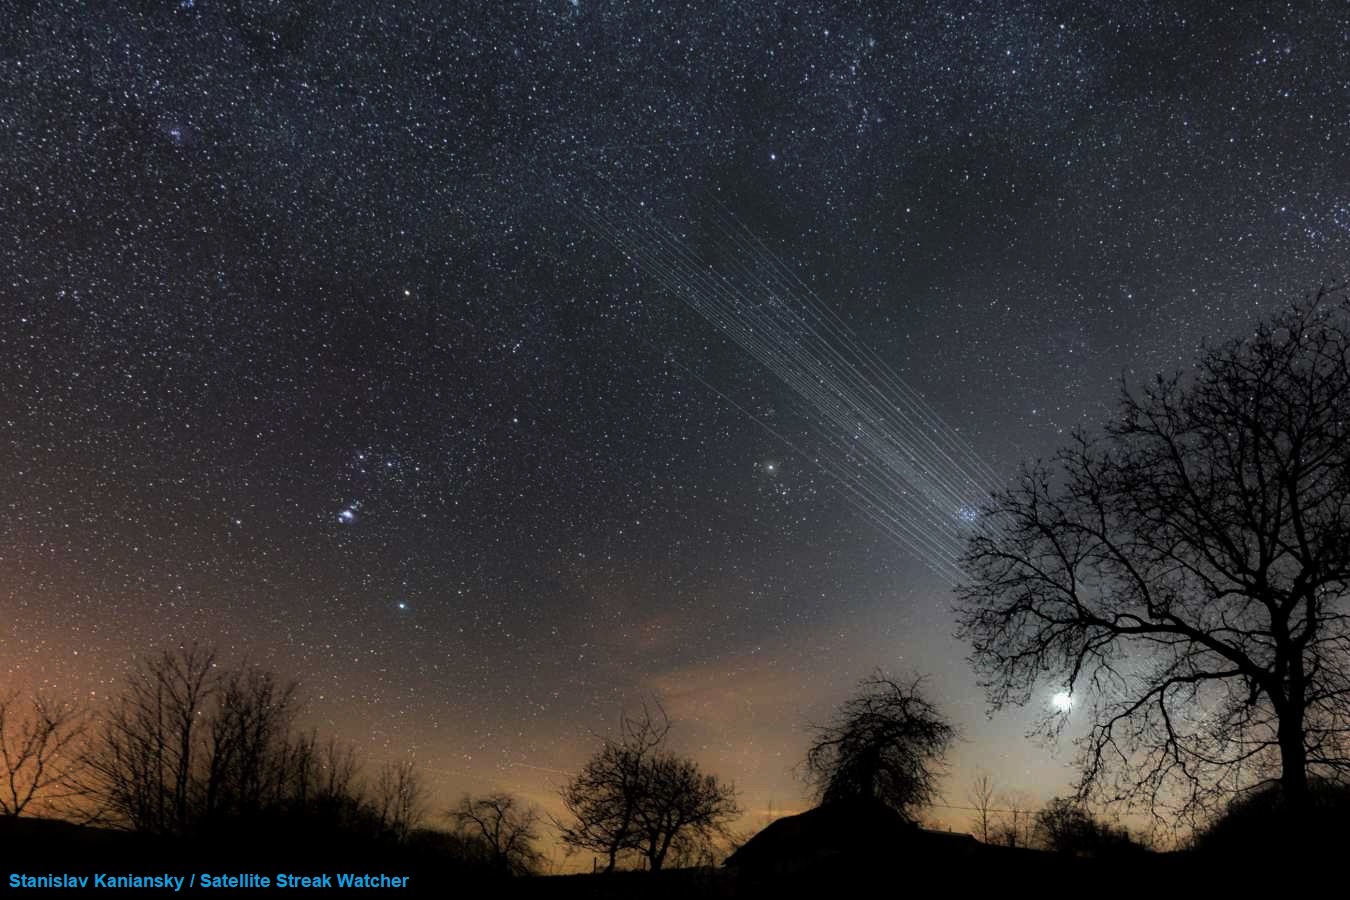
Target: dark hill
(845, 833)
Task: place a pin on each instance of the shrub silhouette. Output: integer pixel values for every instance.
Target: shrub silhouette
(887, 742)
(1066, 827)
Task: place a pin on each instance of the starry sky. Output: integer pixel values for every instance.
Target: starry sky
(306, 352)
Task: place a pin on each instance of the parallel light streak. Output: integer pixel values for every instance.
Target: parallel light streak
(892, 456)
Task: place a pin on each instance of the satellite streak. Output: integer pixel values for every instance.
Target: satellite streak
(893, 457)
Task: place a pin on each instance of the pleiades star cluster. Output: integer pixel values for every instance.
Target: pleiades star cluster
(308, 349)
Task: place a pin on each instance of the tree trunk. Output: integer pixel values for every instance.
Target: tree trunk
(658, 855)
(666, 841)
(871, 767)
(1293, 760)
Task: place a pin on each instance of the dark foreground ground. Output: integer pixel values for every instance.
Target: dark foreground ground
(45, 848)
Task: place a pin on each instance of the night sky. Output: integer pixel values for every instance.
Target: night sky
(306, 350)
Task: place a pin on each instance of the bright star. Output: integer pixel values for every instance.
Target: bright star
(347, 516)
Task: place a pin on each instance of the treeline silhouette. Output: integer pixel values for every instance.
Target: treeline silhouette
(201, 766)
(200, 763)
(191, 748)
(196, 763)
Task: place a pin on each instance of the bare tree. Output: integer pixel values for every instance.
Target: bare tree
(1012, 828)
(634, 796)
(339, 770)
(507, 829)
(400, 800)
(38, 737)
(298, 769)
(248, 744)
(1187, 572)
(602, 799)
(327, 786)
(887, 742)
(681, 808)
(141, 763)
(1065, 826)
(981, 796)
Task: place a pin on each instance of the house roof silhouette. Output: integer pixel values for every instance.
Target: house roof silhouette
(845, 832)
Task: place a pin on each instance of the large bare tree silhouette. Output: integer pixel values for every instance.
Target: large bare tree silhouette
(1183, 575)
